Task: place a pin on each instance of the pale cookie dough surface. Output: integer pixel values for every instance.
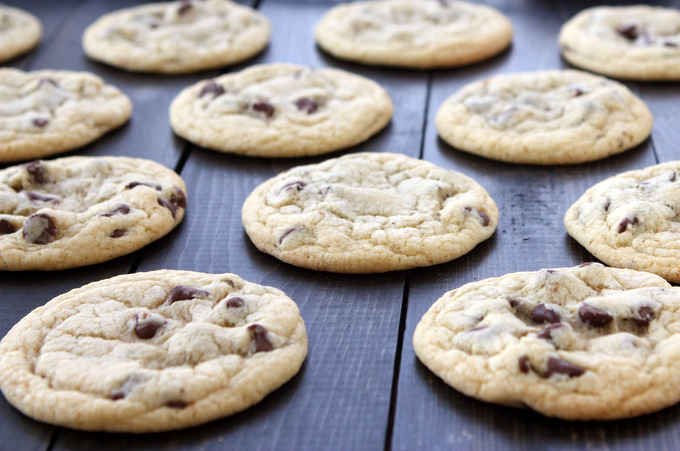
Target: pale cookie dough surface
(547, 117)
(78, 211)
(369, 213)
(47, 112)
(177, 37)
(413, 33)
(281, 110)
(20, 31)
(152, 351)
(632, 220)
(630, 42)
(582, 343)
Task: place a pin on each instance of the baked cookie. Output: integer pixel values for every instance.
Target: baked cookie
(632, 42)
(78, 211)
(152, 352)
(19, 32)
(420, 34)
(369, 213)
(548, 117)
(281, 110)
(47, 112)
(583, 343)
(631, 220)
(177, 37)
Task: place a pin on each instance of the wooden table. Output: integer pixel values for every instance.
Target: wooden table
(361, 388)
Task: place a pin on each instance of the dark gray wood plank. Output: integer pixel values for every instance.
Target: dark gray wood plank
(532, 201)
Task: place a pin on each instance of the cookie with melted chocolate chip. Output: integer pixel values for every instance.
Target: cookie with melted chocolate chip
(632, 42)
(20, 31)
(421, 34)
(281, 110)
(545, 117)
(177, 37)
(47, 112)
(369, 213)
(608, 349)
(632, 221)
(152, 351)
(78, 211)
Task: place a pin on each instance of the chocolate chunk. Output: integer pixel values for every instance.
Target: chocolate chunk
(264, 107)
(643, 316)
(35, 170)
(542, 314)
(623, 226)
(6, 227)
(40, 122)
(630, 32)
(235, 302)
(178, 198)
(184, 6)
(155, 186)
(213, 88)
(39, 197)
(183, 293)
(117, 233)
(546, 333)
(122, 210)
(524, 366)
(559, 366)
(177, 404)
(259, 334)
(39, 229)
(594, 316)
(306, 104)
(286, 233)
(145, 327)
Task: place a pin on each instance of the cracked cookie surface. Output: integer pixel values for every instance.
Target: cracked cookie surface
(546, 117)
(152, 351)
(177, 37)
(582, 343)
(20, 31)
(78, 211)
(46, 112)
(281, 110)
(418, 34)
(631, 42)
(369, 213)
(632, 220)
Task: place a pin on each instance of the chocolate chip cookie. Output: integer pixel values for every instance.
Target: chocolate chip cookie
(46, 112)
(631, 220)
(546, 117)
(369, 213)
(20, 31)
(632, 42)
(78, 211)
(152, 351)
(582, 343)
(419, 34)
(281, 110)
(177, 37)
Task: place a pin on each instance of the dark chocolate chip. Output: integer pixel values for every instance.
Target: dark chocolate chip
(178, 198)
(630, 32)
(559, 366)
(594, 316)
(298, 185)
(155, 186)
(643, 316)
(475, 329)
(670, 44)
(177, 404)
(184, 6)
(674, 176)
(6, 227)
(122, 210)
(48, 81)
(116, 395)
(513, 302)
(40, 122)
(213, 88)
(544, 314)
(183, 293)
(117, 233)
(264, 107)
(607, 205)
(623, 226)
(235, 302)
(306, 104)
(524, 364)
(286, 233)
(546, 333)
(169, 205)
(259, 333)
(39, 229)
(578, 92)
(146, 329)
(483, 216)
(35, 170)
(583, 265)
(32, 196)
